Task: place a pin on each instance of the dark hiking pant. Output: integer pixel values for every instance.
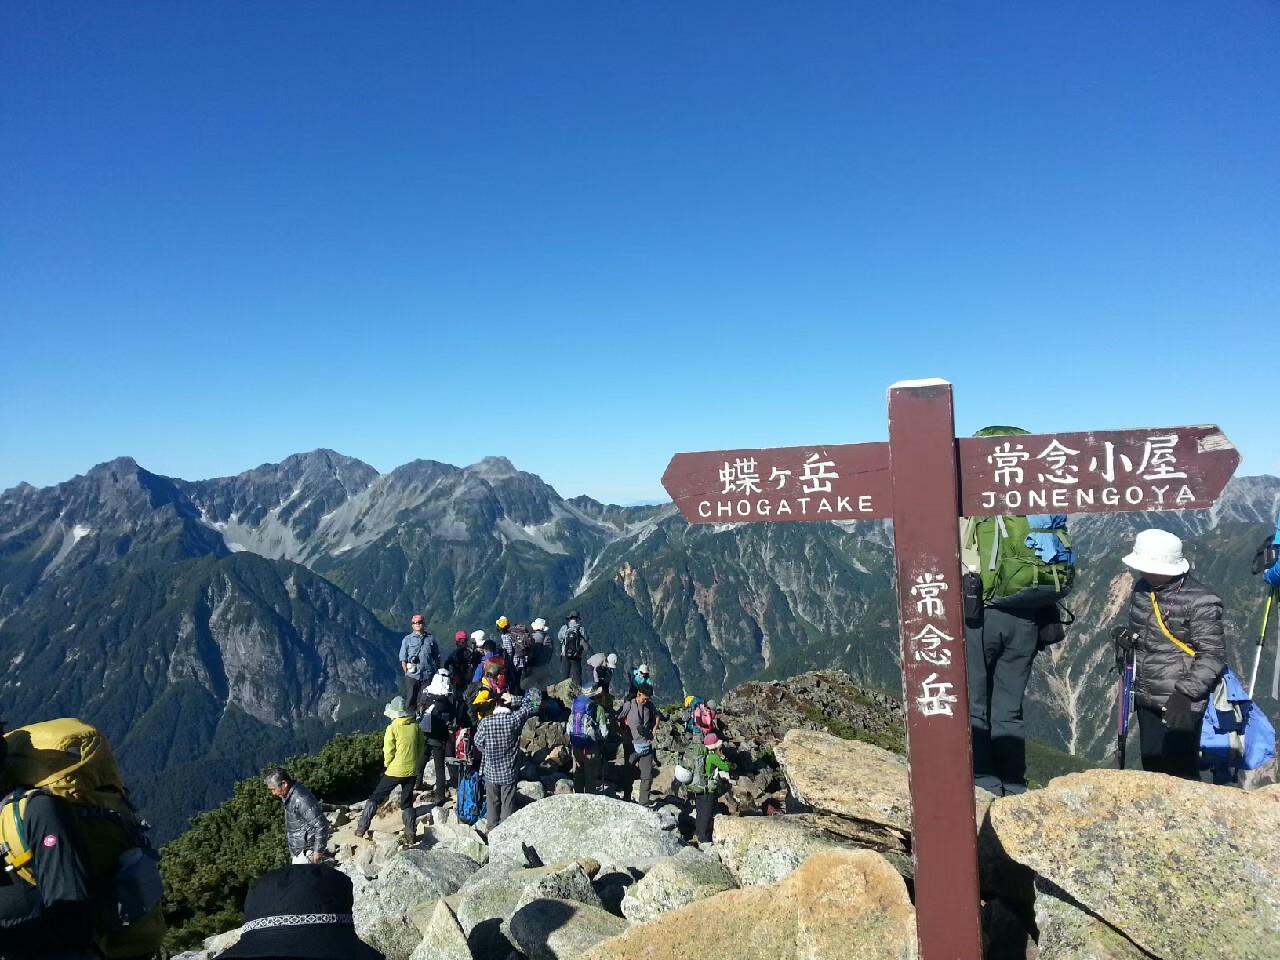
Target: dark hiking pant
(380, 793)
(436, 750)
(586, 769)
(413, 687)
(573, 670)
(704, 805)
(1000, 654)
(643, 772)
(1175, 752)
(500, 800)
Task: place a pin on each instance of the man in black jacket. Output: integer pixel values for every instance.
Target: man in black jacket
(1176, 627)
(55, 917)
(305, 827)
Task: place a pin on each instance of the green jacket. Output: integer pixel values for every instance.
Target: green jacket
(402, 747)
(711, 763)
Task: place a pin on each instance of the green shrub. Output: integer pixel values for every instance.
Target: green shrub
(209, 869)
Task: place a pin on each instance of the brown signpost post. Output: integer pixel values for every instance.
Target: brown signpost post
(926, 479)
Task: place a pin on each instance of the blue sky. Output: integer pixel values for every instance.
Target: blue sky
(588, 235)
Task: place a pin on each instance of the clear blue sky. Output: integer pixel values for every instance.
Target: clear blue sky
(588, 235)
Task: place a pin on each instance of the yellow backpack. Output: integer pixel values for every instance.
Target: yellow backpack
(69, 759)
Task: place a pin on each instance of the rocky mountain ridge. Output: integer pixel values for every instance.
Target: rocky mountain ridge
(264, 609)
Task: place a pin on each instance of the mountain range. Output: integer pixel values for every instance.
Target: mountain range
(209, 627)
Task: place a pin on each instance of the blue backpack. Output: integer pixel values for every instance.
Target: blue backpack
(471, 799)
(1235, 734)
(582, 728)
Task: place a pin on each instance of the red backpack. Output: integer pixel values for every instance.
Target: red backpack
(704, 718)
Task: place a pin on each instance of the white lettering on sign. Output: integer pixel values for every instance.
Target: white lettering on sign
(932, 646)
(936, 698)
(928, 587)
(816, 477)
(819, 508)
(1058, 465)
(780, 476)
(741, 476)
(1006, 459)
(1130, 479)
(1067, 498)
(1158, 460)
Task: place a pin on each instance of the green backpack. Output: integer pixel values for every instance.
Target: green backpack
(1008, 565)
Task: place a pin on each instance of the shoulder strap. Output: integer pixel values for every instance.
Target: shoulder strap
(1155, 604)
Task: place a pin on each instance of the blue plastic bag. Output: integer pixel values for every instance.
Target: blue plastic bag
(1235, 733)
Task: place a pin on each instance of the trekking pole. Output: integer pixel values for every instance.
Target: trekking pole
(1262, 639)
(1124, 691)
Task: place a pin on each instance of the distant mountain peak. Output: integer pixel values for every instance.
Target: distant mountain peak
(494, 468)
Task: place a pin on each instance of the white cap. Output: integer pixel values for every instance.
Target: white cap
(643, 668)
(478, 638)
(611, 661)
(539, 624)
(1158, 552)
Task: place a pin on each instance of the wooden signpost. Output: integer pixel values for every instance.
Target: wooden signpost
(925, 480)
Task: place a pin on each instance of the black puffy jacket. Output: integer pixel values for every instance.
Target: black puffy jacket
(1192, 613)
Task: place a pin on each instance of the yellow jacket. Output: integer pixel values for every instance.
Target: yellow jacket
(402, 747)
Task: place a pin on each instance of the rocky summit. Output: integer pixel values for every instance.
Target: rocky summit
(1103, 865)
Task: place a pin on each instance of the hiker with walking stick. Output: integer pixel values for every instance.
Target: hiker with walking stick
(1267, 562)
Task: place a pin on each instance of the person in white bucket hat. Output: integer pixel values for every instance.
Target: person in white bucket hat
(1175, 627)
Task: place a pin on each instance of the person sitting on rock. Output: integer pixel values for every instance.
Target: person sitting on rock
(402, 747)
(436, 721)
(1179, 653)
(498, 739)
(306, 829)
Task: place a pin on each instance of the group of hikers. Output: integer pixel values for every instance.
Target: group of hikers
(1171, 653)
(466, 712)
(80, 879)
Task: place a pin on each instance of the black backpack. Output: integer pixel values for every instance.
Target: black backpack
(573, 643)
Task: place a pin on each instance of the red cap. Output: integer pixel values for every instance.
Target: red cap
(460, 636)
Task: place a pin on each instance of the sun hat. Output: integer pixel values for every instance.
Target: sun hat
(643, 668)
(611, 661)
(301, 911)
(540, 625)
(478, 638)
(502, 623)
(712, 742)
(439, 684)
(1158, 552)
(395, 709)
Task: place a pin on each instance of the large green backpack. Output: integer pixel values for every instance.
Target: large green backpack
(1008, 565)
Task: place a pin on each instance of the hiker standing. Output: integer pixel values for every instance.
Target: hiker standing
(573, 646)
(640, 677)
(436, 721)
(45, 908)
(588, 727)
(306, 829)
(640, 720)
(419, 659)
(1016, 570)
(402, 746)
(706, 766)
(461, 663)
(1175, 623)
(507, 645)
(540, 654)
(498, 737)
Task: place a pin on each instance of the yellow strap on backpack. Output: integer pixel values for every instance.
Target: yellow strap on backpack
(17, 852)
(1165, 630)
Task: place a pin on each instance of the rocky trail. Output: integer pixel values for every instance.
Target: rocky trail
(1102, 865)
